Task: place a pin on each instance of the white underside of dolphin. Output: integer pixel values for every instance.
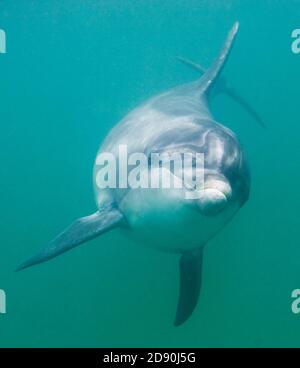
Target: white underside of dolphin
(178, 119)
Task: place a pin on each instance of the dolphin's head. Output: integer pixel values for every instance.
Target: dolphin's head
(215, 173)
(219, 170)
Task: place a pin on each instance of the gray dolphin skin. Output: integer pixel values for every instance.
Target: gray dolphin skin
(180, 121)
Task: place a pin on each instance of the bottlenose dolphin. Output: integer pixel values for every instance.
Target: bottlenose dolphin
(178, 120)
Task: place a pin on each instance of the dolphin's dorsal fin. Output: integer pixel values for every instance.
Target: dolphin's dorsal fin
(207, 81)
(212, 76)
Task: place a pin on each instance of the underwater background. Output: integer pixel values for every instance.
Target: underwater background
(72, 70)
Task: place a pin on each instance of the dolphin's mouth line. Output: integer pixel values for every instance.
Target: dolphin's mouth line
(211, 201)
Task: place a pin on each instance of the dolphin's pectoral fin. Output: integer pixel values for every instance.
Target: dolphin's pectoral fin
(80, 231)
(190, 283)
(195, 66)
(242, 102)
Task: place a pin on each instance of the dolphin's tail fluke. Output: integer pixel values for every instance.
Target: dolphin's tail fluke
(80, 231)
(190, 284)
(212, 77)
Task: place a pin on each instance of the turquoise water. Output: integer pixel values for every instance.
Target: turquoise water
(72, 70)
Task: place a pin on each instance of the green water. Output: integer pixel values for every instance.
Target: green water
(72, 70)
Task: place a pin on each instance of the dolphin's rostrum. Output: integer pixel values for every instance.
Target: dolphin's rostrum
(177, 120)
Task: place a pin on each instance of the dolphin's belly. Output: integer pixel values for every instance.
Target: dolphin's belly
(165, 219)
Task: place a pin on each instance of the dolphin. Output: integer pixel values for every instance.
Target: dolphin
(178, 120)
